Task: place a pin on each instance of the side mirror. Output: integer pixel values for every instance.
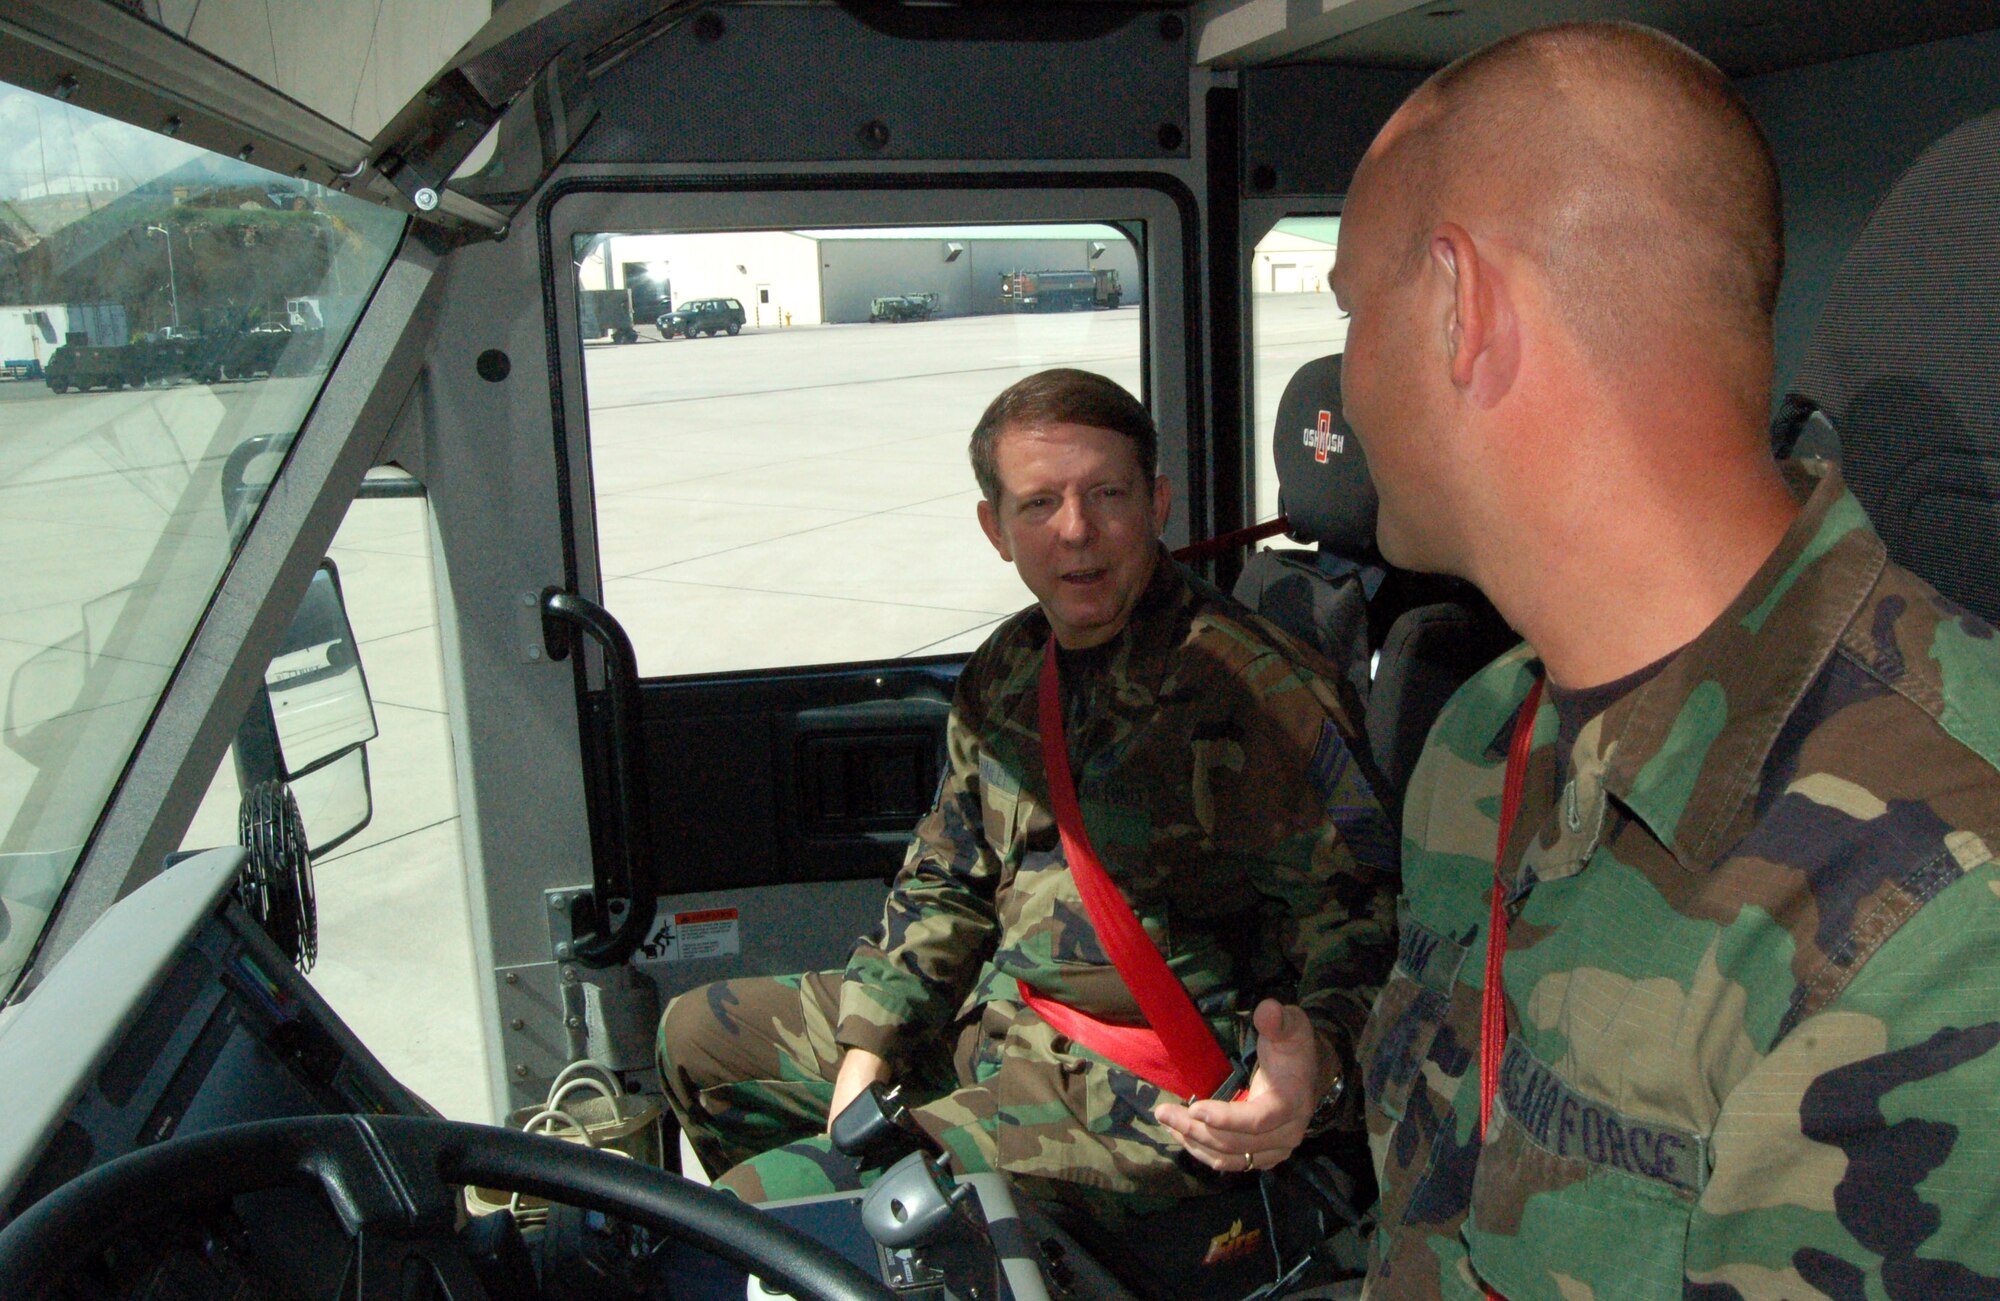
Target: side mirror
(311, 722)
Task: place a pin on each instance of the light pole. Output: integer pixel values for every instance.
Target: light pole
(173, 290)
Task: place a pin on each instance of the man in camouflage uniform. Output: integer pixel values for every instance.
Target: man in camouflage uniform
(1212, 762)
(1750, 993)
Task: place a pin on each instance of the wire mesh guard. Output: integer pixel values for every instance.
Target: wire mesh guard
(276, 885)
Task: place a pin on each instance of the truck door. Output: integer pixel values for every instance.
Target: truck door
(784, 524)
(782, 519)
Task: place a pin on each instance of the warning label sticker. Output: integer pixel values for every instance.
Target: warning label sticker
(684, 937)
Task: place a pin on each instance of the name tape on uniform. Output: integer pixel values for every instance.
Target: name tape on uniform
(1560, 1120)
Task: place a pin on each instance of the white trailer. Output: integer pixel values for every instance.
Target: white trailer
(28, 334)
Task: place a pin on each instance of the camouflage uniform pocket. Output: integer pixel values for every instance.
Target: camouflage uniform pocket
(1412, 1006)
(1570, 1179)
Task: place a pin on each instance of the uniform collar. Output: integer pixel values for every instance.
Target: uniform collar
(1121, 681)
(1137, 656)
(1684, 751)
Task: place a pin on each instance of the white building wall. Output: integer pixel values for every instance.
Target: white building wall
(1290, 264)
(72, 185)
(772, 273)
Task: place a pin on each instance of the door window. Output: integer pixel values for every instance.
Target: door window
(1293, 319)
(791, 487)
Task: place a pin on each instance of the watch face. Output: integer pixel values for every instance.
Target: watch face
(1328, 1108)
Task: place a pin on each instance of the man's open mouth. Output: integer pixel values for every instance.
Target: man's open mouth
(1084, 575)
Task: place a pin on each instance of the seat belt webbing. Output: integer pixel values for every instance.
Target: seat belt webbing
(1187, 1060)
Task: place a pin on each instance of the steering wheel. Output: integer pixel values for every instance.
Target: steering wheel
(392, 1181)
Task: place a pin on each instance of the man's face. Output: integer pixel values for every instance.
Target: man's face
(1393, 362)
(1079, 521)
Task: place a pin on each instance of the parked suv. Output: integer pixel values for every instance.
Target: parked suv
(702, 316)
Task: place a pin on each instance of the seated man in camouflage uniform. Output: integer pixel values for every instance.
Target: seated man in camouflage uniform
(1745, 1036)
(1214, 763)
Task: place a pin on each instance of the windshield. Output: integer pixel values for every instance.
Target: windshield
(167, 316)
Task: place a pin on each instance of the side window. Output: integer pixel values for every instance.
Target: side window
(785, 483)
(1293, 319)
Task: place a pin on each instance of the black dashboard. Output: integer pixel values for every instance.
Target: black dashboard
(174, 1016)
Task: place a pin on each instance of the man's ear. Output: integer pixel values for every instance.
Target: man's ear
(989, 523)
(1481, 341)
(1163, 502)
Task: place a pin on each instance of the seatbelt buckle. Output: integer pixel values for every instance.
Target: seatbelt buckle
(1238, 1081)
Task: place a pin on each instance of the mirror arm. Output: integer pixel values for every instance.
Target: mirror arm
(564, 614)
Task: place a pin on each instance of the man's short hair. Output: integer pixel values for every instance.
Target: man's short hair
(1657, 192)
(1062, 397)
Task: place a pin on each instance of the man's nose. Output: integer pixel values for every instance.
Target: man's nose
(1073, 522)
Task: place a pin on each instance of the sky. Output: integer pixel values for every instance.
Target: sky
(43, 138)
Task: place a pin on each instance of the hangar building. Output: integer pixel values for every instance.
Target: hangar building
(832, 276)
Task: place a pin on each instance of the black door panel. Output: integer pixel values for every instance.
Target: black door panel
(760, 779)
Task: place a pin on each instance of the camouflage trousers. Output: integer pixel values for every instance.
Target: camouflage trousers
(749, 1066)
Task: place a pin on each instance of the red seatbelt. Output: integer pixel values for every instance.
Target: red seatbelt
(1215, 546)
(1175, 1049)
(1493, 1004)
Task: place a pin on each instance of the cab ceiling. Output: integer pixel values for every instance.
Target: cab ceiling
(1743, 37)
(390, 48)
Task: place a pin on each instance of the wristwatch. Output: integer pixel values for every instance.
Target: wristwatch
(1328, 1109)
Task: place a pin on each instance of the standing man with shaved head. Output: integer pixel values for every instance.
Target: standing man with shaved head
(1698, 981)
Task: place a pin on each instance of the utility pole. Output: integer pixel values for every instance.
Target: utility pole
(173, 290)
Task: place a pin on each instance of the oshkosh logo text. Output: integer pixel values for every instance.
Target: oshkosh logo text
(1323, 440)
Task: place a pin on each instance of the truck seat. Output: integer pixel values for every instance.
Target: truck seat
(1407, 640)
(1901, 380)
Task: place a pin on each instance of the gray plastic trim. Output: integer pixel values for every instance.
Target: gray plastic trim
(53, 1045)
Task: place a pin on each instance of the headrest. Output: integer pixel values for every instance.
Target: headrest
(1905, 361)
(1323, 483)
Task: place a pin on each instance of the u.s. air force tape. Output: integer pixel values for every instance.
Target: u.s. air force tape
(1562, 1121)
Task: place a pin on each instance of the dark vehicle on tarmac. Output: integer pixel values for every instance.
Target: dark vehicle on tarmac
(81, 367)
(261, 350)
(684, 695)
(1060, 291)
(903, 307)
(607, 311)
(700, 316)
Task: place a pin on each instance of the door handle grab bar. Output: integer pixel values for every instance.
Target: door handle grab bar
(636, 878)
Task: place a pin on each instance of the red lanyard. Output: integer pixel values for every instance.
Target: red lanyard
(1493, 1004)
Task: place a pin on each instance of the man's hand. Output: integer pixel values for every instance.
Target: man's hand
(858, 1069)
(1262, 1129)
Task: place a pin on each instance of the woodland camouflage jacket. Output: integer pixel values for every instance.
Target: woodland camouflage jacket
(1753, 963)
(1212, 760)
